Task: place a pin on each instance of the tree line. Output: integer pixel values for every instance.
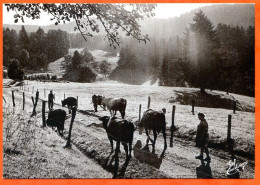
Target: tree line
(34, 51)
(220, 57)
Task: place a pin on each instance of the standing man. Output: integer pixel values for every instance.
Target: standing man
(202, 137)
(51, 98)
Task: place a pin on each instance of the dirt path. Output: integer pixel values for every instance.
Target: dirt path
(178, 162)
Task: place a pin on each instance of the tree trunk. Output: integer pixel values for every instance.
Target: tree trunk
(202, 90)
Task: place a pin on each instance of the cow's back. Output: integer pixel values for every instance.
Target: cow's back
(153, 120)
(71, 101)
(116, 103)
(55, 117)
(126, 129)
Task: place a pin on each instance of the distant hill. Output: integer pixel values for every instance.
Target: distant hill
(230, 14)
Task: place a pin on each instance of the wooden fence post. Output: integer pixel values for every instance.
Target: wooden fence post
(172, 126)
(43, 113)
(229, 129)
(149, 100)
(193, 104)
(23, 100)
(64, 96)
(34, 108)
(74, 109)
(234, 106)
(37, 97)
(13, 98)
(77, 101)
(140, 107)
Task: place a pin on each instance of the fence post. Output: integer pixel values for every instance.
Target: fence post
(64, 96)
(23, 100)
(193, 104)
(149, 100)
(74, 109)
(172, 126)
(34, 108)
(117, 150)
(37, 97)
(77, 101)
(43, 113)
(229, 129)
(13, 98)
(234, 106)
(140, 107)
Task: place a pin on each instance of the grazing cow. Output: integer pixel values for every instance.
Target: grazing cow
(126, 132)
(115, 104)
(56, 118)
(97, 100)
(155, 121)
(70, 102)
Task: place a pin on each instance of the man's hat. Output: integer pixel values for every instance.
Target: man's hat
(201, 114)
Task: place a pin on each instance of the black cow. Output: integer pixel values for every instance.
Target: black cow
(155, 121)
(70, 102)
(56, 118)
(126, 132)
(97, 100)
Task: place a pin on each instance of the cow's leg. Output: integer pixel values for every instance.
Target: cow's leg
(126, 149)
(112, 113)
(111, 143)
(155, 137)
(148, 137)
(69, 109)
(164, 136)
(95, 107)
(122, 114)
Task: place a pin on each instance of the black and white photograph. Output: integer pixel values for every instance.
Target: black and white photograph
(129, 91)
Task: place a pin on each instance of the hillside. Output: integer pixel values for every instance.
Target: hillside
(57, 68)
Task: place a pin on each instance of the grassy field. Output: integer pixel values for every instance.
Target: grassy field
(243, 123)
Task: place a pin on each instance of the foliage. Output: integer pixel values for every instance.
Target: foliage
(76, 71)
(112, 17)
(104, 68)
(87, 56)
(76, 59)
(14, 70)
(23, 39)
(57, 44)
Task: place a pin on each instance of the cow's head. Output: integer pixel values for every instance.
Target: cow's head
(104, 120)
(140, 127)
(63, 103)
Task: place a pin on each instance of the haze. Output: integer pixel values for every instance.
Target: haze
(162, 10)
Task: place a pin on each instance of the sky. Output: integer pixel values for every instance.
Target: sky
(162, 10)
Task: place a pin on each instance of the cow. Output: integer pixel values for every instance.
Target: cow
(155, 121)
(126, 132)
(70, 102)
(56, 118)
(115, 104)
(97, 100)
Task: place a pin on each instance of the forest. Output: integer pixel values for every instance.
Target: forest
(206, 55)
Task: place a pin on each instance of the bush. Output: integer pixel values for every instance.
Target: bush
(14, 71)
